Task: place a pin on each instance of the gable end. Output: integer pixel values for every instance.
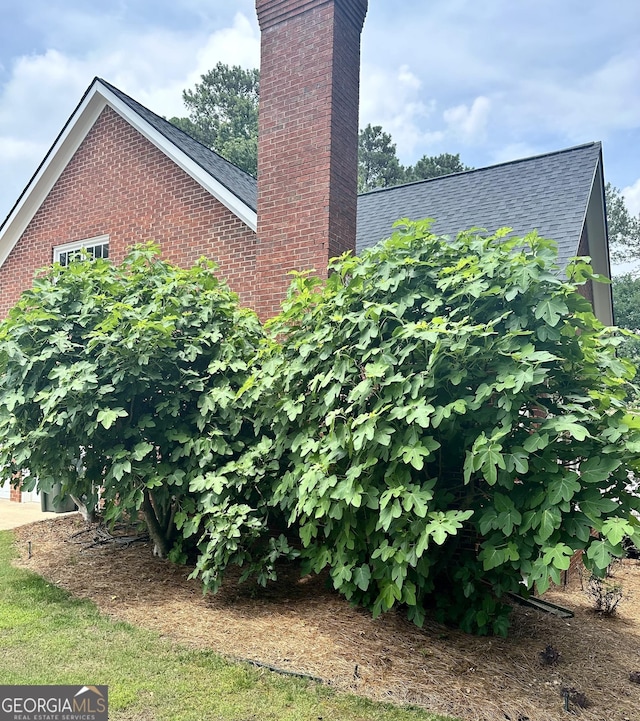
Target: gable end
(97, 97)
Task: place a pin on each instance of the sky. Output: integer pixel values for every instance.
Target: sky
(493, 81)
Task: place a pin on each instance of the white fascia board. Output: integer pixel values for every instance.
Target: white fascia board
(97, 98)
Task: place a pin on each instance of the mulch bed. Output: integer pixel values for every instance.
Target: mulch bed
(302, 626)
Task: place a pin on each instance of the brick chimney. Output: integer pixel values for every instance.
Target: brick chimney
(308, 139)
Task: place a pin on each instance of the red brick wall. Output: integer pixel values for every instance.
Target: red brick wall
(119, 184)
(307, 155)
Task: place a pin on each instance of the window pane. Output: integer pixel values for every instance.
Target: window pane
(96, 250)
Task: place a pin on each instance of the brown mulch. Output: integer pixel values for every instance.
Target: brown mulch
(300, 625)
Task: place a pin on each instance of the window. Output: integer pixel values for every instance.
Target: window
(95, 247)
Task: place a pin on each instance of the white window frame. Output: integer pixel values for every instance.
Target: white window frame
(76, 245)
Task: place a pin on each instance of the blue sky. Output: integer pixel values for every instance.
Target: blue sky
(493, 80)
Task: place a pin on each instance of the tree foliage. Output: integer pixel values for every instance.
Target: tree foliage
(121, 380)
(626, 304)
(624, 228)
(626, 296)
(378, 164)
(435, 166)
(223, 114)
(379, 167)
(443, 421)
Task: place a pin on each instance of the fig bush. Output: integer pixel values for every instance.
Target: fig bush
(442, 423)
(121, 380)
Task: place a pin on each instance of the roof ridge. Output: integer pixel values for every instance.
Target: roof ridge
(583, 146)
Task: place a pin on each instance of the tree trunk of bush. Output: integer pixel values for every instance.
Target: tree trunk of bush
(160, 542)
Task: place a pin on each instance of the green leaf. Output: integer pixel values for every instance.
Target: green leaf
(594, 504)
(507, 520)
(421, 414)
(599, 552)
(417, 500)
(550, 310)
(615, 529)
(141, 450)
(443, 524)
(415, 455)
(382, 436)
(389, 594)
(488, 459)
(361, 391)
(563, 488)
(388, 514)
(517, 461)
(488, 521)
(108, 416)
(376, 370)
(547, 521)
(598, 468)
(568, 425)
(362, 576)
(119, 468)
(578, 526)
(492, 557)
(536, 441)
(559, 556)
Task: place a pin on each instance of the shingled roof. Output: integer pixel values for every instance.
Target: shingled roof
(235, 180)
(549, 193)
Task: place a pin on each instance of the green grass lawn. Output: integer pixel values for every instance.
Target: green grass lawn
(48, 637)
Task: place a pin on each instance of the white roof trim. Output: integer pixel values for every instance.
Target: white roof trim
(96, 99)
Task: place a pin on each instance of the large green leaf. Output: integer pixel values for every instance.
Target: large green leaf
(362, 576)
(598, 468)
(615, 529)
(593, 503)
(108, 416)
(548, 519)
(563, 488)
(599, 552)
(550, 310)
(559, 556)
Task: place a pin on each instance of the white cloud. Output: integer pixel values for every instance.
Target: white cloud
(632, 197)
(235, 45)
(391, 98)
(469, 124)
(40, 88)
(12, 149)
(153, 67)
(579, 106)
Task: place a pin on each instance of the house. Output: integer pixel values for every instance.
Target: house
(119, 174)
